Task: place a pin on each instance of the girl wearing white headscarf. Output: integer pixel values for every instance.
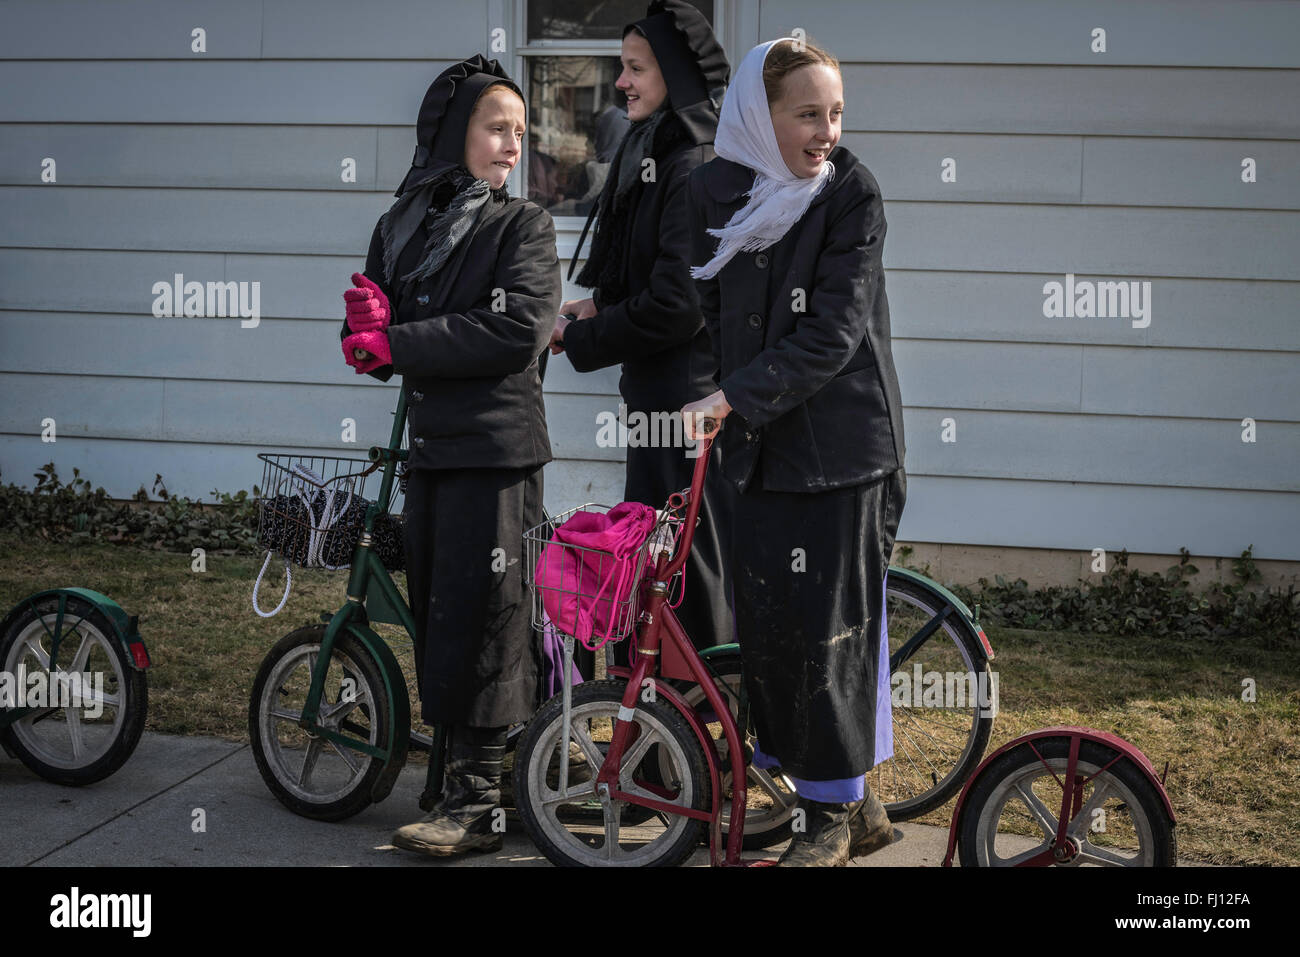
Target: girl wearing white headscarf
(787, 242)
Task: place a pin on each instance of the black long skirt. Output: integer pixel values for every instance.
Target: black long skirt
(809, 573)
(477, 654)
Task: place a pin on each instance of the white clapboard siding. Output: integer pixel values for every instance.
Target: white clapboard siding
(1187, 313)
(227, 166)
(276, 350)
(190, 155)
(1231, 33)
(239, 29)
(1091, 171)
(1124, 242)
(107, 288)
(1084, 516)
(897, 97)
(1123, 381)
(1243, 33)
(1165, 382)
(1006, 168)
(952, 441)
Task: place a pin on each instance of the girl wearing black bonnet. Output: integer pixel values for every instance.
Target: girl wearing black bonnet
(644, 311)
(459, 295)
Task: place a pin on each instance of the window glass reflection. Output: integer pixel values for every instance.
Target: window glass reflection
(577, 120)
(589, 19)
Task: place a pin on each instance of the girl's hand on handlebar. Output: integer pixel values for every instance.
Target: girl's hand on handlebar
(581, 308)
(367, 351)
(695, 413)
(557, 334)
(571, 311)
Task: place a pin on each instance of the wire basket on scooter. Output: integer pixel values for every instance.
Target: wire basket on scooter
(596, 592)
(312, 510)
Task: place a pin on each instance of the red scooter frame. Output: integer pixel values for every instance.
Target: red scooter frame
(658, 631)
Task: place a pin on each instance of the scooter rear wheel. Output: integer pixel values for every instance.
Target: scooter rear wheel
(770, 794)
(1011, 812)
(74, 745)
(937, 746)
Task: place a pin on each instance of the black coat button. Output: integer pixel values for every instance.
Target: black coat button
(422, 300)
(761, 260)
(755, 321)
(416, 396)
(419, 443)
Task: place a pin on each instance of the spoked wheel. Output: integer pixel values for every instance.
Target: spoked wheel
(1012, 811)
(940, 733)
(938, 738)
(769, 795)
(311, 775)
(103, 708)
(664, 761)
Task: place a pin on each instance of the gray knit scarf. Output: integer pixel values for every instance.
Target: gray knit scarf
(448, 228)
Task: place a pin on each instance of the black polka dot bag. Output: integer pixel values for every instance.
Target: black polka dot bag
(312, 511)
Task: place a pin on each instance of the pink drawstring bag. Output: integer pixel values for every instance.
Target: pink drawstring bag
(585, 592)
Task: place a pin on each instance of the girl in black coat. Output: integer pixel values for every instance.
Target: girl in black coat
(644, 312)
(460, 294)
(788, 232)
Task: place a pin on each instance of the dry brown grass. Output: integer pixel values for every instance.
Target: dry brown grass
(1234, 766)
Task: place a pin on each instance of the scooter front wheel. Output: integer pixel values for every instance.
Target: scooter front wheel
(663, 761)
(310, 774)
(1010, 815)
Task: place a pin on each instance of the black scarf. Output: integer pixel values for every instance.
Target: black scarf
(606, 266)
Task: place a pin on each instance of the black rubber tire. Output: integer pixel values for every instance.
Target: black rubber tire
(1018, 759)
(134, 689)
(353, 656)
(544, 725)
(972, 652)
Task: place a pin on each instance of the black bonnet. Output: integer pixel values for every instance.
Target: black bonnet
(444, 117)
(694, 67)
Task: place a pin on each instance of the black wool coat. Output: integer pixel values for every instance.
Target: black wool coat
(656, 332)
(469, 337)
(800, 335)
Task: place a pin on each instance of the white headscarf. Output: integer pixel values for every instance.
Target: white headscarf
(745, 135)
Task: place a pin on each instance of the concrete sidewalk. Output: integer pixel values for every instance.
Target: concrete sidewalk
(142, 816)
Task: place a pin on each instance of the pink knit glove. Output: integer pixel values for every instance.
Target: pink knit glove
(375, 343)
(367, 306)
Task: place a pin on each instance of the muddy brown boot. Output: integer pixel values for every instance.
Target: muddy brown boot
(579, 770)
(824, 841)
(870, 828)
(465, 819)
